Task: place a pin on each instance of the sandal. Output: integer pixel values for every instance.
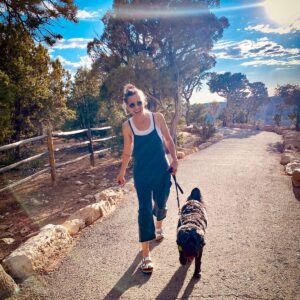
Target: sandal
(159, 235)
(147, 265)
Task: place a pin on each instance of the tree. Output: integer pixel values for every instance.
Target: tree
(6, 103)
(37, 16)
(33, 89)
(233, 87)
(55, 111)
(291, 95)
(84, 98)
(257, 96)
(176, 45)
(197, 114)
(194, 81)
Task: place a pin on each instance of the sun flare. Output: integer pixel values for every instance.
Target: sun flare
(283, 12)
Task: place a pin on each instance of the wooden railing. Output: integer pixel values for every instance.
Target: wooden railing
(52, 166)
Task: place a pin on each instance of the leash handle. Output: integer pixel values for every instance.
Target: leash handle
(178, 187)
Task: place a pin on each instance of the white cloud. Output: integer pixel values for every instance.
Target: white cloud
(272, 62)
(260, 48)
(80, 43)
(85, 61)
(84, 14)
(283, 29)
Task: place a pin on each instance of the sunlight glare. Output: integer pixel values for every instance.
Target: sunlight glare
(283, 12)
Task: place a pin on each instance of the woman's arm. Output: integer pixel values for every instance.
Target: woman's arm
(169, 141)
(126, 155)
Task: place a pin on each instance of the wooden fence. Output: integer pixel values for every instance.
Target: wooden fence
(53, 166)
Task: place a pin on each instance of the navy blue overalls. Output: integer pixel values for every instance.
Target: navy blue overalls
(151, 180)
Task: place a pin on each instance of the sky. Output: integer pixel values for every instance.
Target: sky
(262, 41)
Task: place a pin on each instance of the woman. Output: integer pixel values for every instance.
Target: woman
(145, 133)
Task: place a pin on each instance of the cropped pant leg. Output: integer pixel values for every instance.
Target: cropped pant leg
(161, 193)
(145, 216)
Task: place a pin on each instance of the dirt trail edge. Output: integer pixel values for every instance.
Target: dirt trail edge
(252, 242)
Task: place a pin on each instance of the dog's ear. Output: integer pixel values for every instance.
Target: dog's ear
(195, 195)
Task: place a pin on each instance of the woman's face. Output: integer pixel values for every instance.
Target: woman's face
(135, 105)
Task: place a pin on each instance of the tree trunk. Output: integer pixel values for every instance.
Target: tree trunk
(176, 117)
(187, 114)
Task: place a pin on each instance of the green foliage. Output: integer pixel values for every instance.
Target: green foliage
(207, 131)
(6, 102)
(291, 95)
(277, 119)
(36, 16)
(180, 139)
(197, 113)
(33, 89)
(84, 99)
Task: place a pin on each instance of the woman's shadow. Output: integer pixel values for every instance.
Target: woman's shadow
(172, 289)
(132, 277)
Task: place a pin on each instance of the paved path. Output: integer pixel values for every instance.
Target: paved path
(253, 237)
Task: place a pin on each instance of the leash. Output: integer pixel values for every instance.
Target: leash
(178, 187)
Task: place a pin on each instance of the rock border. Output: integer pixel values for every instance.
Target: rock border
(35, 254)
(290, 157)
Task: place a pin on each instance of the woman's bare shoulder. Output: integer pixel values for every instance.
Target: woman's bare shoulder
(125, 126)
(159, 118)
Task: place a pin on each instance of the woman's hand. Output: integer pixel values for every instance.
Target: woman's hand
(121, 179)
(174, 166)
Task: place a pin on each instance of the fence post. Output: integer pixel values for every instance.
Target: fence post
(91, 150)
(51, 156)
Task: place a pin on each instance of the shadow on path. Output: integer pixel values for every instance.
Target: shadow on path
(174, 286)
(132, 277)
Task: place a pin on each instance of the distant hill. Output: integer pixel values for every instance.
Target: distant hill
(265, 113)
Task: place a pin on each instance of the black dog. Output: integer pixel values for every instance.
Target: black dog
(191, 229)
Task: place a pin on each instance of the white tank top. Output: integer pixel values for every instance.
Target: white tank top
(147, 131)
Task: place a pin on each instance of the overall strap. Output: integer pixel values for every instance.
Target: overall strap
(131, 126)
(153, 120)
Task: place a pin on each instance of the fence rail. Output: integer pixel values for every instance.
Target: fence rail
(52, 166)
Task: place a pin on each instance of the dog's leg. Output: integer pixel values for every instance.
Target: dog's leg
(197, 273)
(182, 259)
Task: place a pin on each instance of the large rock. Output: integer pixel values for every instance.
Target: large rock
(296, 177)
(86, 215)
(106, 207)
(7, 285)
(180, 154)
(290, 167)
(36, 252)
(74, 225)
(111, 195)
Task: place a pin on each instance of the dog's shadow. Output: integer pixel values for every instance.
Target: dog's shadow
(132, 277)
(175, 284)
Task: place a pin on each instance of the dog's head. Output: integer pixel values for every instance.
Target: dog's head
(195, 195)
(189, 243)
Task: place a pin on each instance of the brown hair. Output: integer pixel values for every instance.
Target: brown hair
(130, 90)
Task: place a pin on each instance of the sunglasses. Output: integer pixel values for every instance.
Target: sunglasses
(138, 103)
